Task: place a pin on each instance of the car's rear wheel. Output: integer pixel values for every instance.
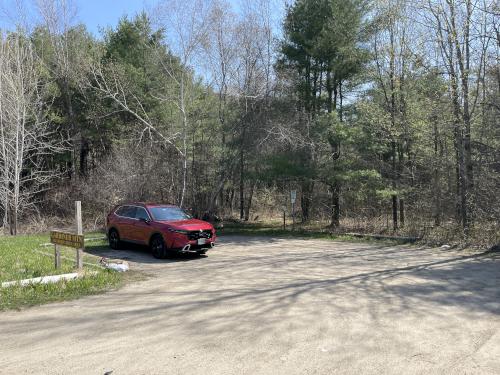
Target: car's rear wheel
(114, 239)
(158, 247)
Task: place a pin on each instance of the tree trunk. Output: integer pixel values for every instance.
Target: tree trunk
(242, 187)
(4, 157)
(459, 151)
(463, 58)
(437, 187)
(333, 91)
(401, 212)
(335, 220)
(341, 104)
(249, 202)
(13, 220)
(329, 90)
(394, 187)
(305, 199)
(231, 200)
(75, 129)
(394, 212)
(392, 73)
(182, 106)
(84, 152)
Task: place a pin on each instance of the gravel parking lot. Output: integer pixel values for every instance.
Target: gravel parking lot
(261, 305)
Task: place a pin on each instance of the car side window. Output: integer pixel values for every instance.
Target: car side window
(130, 213)
(141, 213)
(121, 211)
(127, 211)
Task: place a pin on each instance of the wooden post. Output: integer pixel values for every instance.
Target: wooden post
(79, 230)
(78, 217)
(57, 256)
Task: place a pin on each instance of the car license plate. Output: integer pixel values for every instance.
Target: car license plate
(202, 241)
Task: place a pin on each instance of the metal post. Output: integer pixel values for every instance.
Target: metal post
(284, 217)
(79, 230)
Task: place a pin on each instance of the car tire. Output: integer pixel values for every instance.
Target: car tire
(114, 239)
(158, 247)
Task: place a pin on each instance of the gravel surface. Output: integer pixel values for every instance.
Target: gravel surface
(261, 305)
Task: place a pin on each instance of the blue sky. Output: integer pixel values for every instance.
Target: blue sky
(93, 13)
(102, 13)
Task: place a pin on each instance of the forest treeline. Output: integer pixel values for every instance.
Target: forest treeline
(381, 114)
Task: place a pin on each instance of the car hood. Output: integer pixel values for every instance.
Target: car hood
(190, 224)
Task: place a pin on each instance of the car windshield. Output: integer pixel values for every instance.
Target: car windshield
(168, 213)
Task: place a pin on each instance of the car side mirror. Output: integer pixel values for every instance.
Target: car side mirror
(143, 219)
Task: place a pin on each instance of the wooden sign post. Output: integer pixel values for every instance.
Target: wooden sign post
(57, 256)
(76, 241)
(65, 239)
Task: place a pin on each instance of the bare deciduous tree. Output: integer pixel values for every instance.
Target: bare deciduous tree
(462, 36)
(186, 24)
(26, 139)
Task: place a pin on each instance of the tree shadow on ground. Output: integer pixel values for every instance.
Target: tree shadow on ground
(142, 254)
(273, 290)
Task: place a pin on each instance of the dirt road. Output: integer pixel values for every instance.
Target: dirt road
(274, 306)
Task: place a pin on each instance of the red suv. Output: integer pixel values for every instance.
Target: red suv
(164, 228)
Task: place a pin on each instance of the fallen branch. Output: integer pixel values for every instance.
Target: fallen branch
(382, 237)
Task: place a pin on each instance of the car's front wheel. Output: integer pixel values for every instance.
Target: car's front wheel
(114, 239)
(158, 247)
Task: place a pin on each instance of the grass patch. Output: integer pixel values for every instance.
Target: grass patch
(313, 230)
(270, 229)
(23, 257)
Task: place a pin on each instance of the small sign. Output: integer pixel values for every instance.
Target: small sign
(67, 239)
(293, 196)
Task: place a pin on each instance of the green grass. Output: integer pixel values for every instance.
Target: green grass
(21, 258)
(310, 230)
(271, 229)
